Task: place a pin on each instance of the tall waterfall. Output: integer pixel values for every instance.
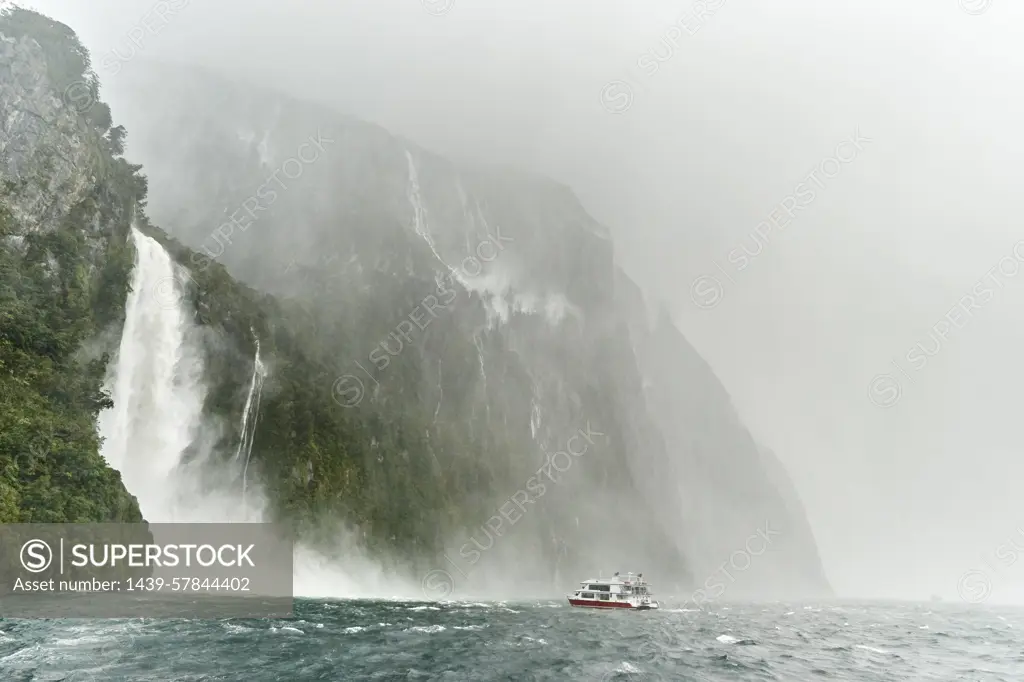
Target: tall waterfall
(156, 383)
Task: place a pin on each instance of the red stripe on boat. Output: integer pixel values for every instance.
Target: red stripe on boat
(601, 604)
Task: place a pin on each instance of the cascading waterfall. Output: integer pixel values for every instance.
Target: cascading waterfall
(155, 382)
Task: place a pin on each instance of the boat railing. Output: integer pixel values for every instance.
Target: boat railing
(632, 578)
(635, 578)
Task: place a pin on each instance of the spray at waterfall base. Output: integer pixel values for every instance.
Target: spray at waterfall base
(439, 583)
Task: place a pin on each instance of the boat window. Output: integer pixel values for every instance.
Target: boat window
(601, 588)
(588, 595)
(606, 597)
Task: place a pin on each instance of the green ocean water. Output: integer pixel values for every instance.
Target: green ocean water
(546, 640)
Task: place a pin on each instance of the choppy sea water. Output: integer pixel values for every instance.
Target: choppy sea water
(389, 640)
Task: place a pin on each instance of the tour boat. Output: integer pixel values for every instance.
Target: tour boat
(618, 592)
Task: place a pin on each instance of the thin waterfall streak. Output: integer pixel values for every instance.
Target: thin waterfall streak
(251, 440)
(250, 416)
(248, 403)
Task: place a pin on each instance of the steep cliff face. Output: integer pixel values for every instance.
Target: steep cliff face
(66, 201)
(738, 499)
(449, 363)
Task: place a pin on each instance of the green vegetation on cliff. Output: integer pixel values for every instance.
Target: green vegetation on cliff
(64, 273)
(49, 398)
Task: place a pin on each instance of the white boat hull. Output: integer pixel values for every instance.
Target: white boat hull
(636, 605)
